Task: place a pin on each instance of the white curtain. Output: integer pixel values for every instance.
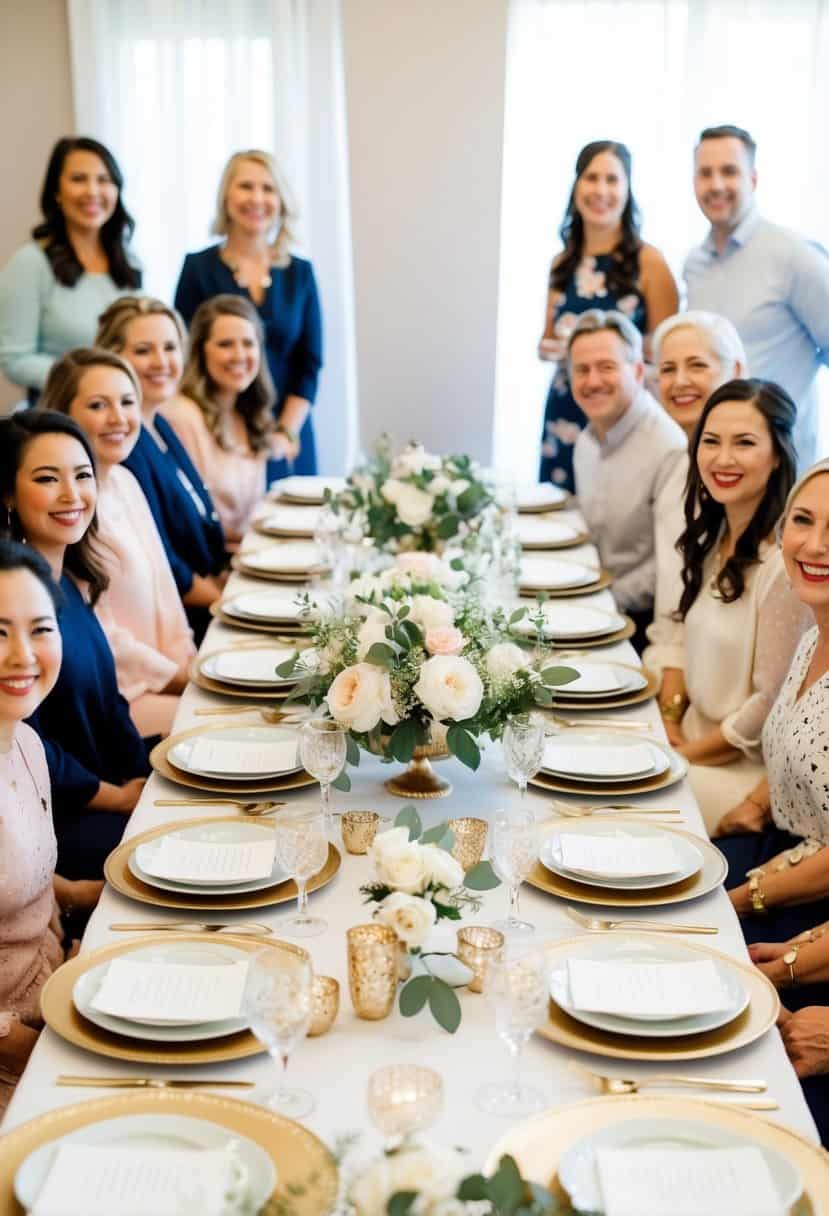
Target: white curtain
(174, 87)
(651, 73)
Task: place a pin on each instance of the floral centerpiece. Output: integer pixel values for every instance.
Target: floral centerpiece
(417, 883)
(410, 655)
(414, 500)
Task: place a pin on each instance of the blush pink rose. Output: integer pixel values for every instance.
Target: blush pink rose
(444, 639)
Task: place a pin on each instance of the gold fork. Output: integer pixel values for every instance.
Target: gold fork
(268, 715)
(596, 924)
(627, 808)
(631, 1085)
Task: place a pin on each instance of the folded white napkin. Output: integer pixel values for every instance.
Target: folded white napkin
(185, 860)
(99, 1180)
(209, 755)
(308, 487)
(543, 572)
(539, 495)
(178, 994)
(595, 677)
(294, 519)
(617, 856)
(535, 530)
(651, 990)
(297, 558)
(589, 761)
(699, 1182)
(251, 664)
(566, 619)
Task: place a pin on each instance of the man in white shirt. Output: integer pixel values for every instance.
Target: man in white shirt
(623, 457)
(771, 283)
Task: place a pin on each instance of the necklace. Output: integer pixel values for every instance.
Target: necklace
(13, 782)
(235, 269)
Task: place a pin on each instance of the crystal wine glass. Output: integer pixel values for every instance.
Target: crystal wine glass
(301, 850)
(517, 988)
(277, 1003)
(514, 851)
(524, 738)
(322, 749)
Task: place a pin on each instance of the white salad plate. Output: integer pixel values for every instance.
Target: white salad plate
(543, 573)
(581, 741)
(239, 666)
(563, 621)
(217, 833)
(689, 857)
(180, 753)
(309, 489)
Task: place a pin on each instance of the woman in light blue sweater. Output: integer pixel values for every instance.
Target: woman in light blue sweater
(55, 287)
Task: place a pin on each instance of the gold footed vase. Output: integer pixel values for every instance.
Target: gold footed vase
(420, 780)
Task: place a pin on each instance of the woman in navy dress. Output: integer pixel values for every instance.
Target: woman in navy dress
(151, 337)
(604, 264)
(97, 760)
(253, 203)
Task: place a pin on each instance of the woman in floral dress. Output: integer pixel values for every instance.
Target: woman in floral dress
(604, 264)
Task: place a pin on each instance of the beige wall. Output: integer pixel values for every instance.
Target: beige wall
(36, 90)
(425, 96)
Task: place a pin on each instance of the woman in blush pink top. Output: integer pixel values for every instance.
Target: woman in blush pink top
(141, 611)
(223, 415)
(30, 892)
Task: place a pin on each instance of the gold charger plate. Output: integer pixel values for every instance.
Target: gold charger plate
(539, 1143)
(605, 579)
(284, 533)
(287, 629)
(307, 1179)
(580, 538)
(257, 692)
(759, 1016)
(612, 789)
(217, 785)
(274, 576)
(708, 878)
(120, 876)
(59, 1012)
(606, 639)
(561, 700)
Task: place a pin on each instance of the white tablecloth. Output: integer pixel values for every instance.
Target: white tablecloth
(335, 1067)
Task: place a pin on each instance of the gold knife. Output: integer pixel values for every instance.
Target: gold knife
(248, 929)
(149, 1083)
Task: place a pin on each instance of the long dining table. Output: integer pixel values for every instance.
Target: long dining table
(335, 1067)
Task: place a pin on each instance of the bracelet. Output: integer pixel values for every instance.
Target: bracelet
(674, 709)
(755, 891)
(281, 429)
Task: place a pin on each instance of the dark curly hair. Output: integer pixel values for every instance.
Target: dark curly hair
(704, 516)
(115, 233)
(16, 433)
(623, 275)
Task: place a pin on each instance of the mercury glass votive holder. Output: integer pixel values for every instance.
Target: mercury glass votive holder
(478, 946)
(359, 829)
(372, 970)
(470, 840)
(325, 1005)
(404, 1099)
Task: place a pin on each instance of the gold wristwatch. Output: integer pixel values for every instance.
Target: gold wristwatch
(674, 708)
(790, 958)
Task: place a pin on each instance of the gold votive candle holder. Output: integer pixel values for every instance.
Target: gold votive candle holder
(470, 840)
(372, 970)
(403, 1099)
(359, 829)
(325, 1004)
(478, 946)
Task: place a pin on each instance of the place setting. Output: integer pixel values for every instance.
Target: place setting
(276, 610)
(290, 562)
(606, 763)
(537, 497)
(538, 531)
(559, 576)
(305, 491)
(605, 686)
(619, 862)
(230, 758)
(575, 625)
(634, 1155)
(247, 670)
(289, 521)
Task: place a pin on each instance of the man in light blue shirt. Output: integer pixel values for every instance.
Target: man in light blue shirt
(770, 283)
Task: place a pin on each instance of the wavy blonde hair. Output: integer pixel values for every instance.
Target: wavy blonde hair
(115, 320)
(280, 245)
(255, 403)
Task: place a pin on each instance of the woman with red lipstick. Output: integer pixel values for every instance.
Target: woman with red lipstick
(31, 894)
(53, 289)
(223, 413)
(741, 621)
(141, 611)
(97, 761)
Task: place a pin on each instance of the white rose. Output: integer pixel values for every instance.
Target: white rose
(399, 862)
(425, 566)
(503, 660)
(373, 629)
(391, 489)
(457, 487)
(414, 507)
(435, 1172)
(449, 687)
(411, 461)
(360, 696)
(444, 871)
(411, 917)
(439, 484)
(430, 613)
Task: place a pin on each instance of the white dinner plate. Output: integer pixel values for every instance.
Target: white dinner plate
(563, 620)
(300, 557)
(256, 1173)
(690, 858)
(205, 833)
(532, 496)
(621, 951)
(610, 680)
(544, 573)
(195, 954)
(290, 521)
(276, 606)
(578, 1172)
(577, 740)
(310, 489)
(535, 530)
(236, 667)
(180, 753)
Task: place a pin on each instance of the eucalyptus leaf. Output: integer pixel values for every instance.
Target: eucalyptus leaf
(415, 994)
(554, 677)
(445, 1006)
(481, 877)
(409, 818)
(400, 1204)
(403, 739)
(352, 751)
(342, 782)
(463, 746)
(380, 654)
(286, 669)
(518, 615)
(448, 526)
(435, 835)
(473, 1187)
(506, 1187)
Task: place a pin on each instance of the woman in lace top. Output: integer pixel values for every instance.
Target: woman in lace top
(741, 621)
(30, 892)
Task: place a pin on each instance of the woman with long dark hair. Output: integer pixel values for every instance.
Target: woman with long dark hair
(55, 287)
(741, 621)
(604, 264)
(97, 760)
